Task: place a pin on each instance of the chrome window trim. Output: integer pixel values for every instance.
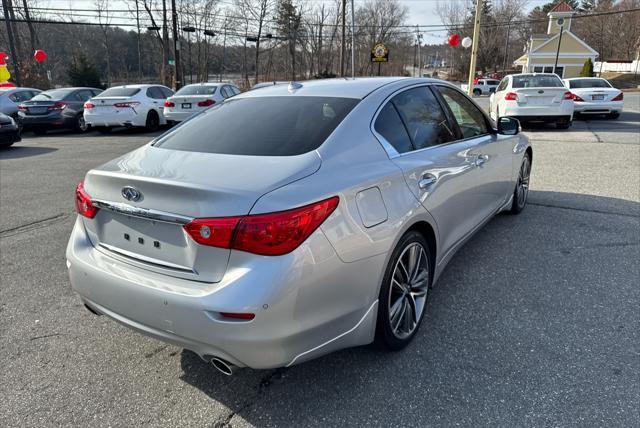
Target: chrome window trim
(145, 213)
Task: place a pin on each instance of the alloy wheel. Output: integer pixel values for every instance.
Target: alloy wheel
(408, 290)
(522, 189)
(82, 125)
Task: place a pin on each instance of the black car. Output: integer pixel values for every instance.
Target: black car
(56, 108)
(9, 131)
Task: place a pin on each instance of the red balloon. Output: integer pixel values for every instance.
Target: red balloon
(40, 55)
(454, 40)
(7, 85)
(3, 57)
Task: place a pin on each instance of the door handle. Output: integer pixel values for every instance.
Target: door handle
(427, 181)
(481, 159)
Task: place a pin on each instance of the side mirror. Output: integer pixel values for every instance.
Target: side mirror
(508, 126)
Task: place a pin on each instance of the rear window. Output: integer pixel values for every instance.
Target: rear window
(120, 92)
(54, 94)
(197, 90)
(538, 81)
(261, 126)
(588, 83)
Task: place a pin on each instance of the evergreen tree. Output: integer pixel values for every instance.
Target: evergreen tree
(587, 69)
(83, 72)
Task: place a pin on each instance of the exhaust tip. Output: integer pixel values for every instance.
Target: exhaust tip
(222, 366)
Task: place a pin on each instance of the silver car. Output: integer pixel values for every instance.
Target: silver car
(10, 99)
(296, 220)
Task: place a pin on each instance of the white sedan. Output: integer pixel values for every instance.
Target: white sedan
(192, 99)
(534, 97)
(594, 95)
(129, 105)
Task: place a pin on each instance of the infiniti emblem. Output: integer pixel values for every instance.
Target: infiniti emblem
(131, 193)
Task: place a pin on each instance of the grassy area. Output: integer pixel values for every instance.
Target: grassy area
(623, 80)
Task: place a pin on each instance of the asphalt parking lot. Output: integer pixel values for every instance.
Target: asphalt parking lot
(535, 322)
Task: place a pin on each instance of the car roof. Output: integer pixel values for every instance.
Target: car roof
(340, 88)
(139, 86)
(19, 88)
(585, 78)
(207, 84)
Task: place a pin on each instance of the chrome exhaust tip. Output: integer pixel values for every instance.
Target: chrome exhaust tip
(223, 366)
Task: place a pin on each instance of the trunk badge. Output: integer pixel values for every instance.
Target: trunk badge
(131, 194)
(541, 91)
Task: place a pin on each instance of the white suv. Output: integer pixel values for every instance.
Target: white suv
(128, 105)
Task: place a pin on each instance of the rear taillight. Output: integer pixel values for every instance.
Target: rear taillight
(58, 106)
(619, 97)
(576, 98)
(206, 103)
(84, 206)
(130, 104)
(22, 107)
(270, 234)
(238, 316)
(89, 105)
(567, 96)
(169, 104)
(511, 96)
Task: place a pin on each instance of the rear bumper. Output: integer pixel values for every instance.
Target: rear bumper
(306, 303)
(550, 113)
(122, 118)
(177, 116)
(48, 120)
(598, 107)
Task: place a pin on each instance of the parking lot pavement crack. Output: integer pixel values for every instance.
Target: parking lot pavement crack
(637, 215)
(45, 336)
(595, 134)
(568, 250)
(38, 224)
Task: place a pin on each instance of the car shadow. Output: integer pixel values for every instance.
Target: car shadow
(502, 333)
(15, 152)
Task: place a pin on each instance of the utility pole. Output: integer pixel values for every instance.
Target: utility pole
(224, 48)
(474, 47)
(139, 51)
(506, 49)
(344, 41)
(176, 44)
(561, 25)
(419, 37)
(353, 41)
(12, 46)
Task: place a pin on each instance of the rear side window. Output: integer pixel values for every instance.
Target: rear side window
(539, 81)
(588, 83)
(155, 92)
(120, 92)
(422, 116)
(261, 126)
(54, 94)
(389, 125)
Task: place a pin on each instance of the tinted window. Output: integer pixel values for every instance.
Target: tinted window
(588, 83)
(470, 119)
(389, 125)
(264, 126)
(18, 97)
(96, 91)
(197, 90)
(424, 119)
(235, 90)
(84, 94)
(166, 92)
(503, 84)
(539, 81)
(54, 94)
(120, 92)
(155, 93)
(493, 82)
(226, 92)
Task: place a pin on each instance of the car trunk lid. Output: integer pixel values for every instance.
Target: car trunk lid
(540, 96)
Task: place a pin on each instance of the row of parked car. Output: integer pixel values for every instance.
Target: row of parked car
(148, 106)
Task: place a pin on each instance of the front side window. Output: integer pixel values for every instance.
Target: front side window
(389, 125)
(503, 84)
(279, 126)
(422, 116)
(470, 119)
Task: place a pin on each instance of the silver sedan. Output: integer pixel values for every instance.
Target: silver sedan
(290, 222)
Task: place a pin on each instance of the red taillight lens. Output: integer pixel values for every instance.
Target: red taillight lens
(58, 106)
(22, 107)
(511, 96)
(271, 234)
(619, 97)
(89, 105)
(206, 103)
(575, 98)
(169, 104)
(243, 316)
(84, 206)
(567, 96)
(130, 104)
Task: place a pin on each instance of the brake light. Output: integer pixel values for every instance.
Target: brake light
(511, 96)
(84, 206)
(58, 106)
(22, 107)
(576, 98)
(130, 104)
(89, 105)
(238, 316)
(567, 96)
(619, 97)
(169, 104)
(270, 234)
(206, 103)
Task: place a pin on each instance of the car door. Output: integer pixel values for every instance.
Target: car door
(493, 152)
(496, 96)
(156, 97)
(435, 167)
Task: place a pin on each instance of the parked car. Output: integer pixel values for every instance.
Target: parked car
(535, 97)
(594, 95)
(9, 131)
(56, 108)
(10, 98)
(267, 84)
(192, 99)
(292, 221)
(482, 87)
(129, 105)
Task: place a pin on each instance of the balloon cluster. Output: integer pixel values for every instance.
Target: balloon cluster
(4, 73)
(454, 40)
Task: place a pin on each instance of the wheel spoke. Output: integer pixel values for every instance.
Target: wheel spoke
(395, 324)
(395, 309)
(416, 268)
(404, 272)
(398, 285)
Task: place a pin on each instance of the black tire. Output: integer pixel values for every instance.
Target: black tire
(153, 121)
(521, 192)
(565, 124)
(393, 293)
(80, 125)
(6, 145)
(614, 115)
(477, 92)
(16, 118)
(104, 130)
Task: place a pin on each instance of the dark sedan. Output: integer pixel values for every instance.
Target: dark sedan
(56, 108)
(9, 132)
